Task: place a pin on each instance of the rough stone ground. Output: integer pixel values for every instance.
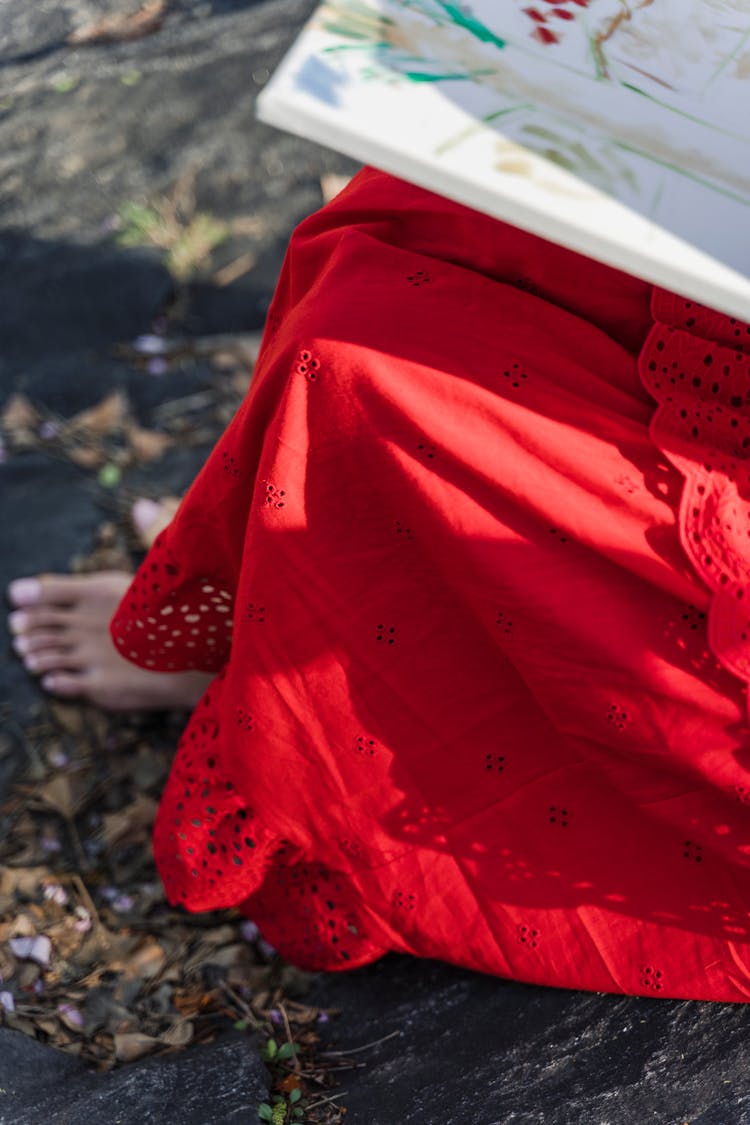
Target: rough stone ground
(85, 129)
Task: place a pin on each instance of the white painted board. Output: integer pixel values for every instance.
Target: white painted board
(619, 128)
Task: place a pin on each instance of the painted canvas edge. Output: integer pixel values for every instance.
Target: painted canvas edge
(663, 259)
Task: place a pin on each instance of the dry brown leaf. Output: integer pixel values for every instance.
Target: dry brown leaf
(148, 445)
(129, 822)
(224, 361)
(22, 926)
(58, 795)
(121, 28)
(179, 1034)
(66, 939)
(288, 1083)
(20, 1023)
(23, 880)
(66, 793)
(87, 457)
(102, 1010)
(133, 1045)
(228, 955)
(19, 414)
(104, 418)
(70, 716)
(190, 1003)
(241, 382)
(146, 962)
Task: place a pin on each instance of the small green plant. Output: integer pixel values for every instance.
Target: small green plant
(188, 238)
(284, 1108)
(65, 84)
(272, 1052)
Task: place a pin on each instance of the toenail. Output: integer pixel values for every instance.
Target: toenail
(48, 683)
(32, 663)
(18, 622)
(25, 591)
(21, 645)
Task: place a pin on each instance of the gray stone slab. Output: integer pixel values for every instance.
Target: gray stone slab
(475, 1049)
(220, 1083)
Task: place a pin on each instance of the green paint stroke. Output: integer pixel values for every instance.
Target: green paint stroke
(424, 76)
(473, 26)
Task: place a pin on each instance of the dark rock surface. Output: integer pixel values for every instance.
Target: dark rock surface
(83, 130)
(474, 1049)
(223, 1081)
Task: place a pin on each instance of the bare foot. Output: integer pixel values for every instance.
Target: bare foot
(61, 632)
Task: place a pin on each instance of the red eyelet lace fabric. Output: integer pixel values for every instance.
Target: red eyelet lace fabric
(467, 566)
(696, 364)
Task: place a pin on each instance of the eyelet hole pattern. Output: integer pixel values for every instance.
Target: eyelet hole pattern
(351, 847)
(386, 634)
(402, 900)
(652, 979)
(494, 763)
(210, 835)
(314, 899)
(273, 497)
(255, 613)
(617, 718)
(692, 851)
(504, 624)
(627, 484)
(559, 816)
(427, 450)
(244, 719)
(402, 530)
(185, 627)
(418, 278)
(528, 936)
(364, 746)
(230, 464)
(308, 365)
(693, 618)
(515, 375)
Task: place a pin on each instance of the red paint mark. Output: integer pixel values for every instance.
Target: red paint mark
(544, 35)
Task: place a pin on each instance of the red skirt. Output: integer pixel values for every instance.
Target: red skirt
(469, 566)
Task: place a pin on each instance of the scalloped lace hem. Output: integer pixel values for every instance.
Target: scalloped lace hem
(696, 364)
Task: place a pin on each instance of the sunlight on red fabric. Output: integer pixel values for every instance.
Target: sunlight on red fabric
(466, 706)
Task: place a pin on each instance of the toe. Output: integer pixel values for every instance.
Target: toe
(23, 622)
(38, 641)
(24, 591)
(68, 685)
(49, 660)
(43, 589)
